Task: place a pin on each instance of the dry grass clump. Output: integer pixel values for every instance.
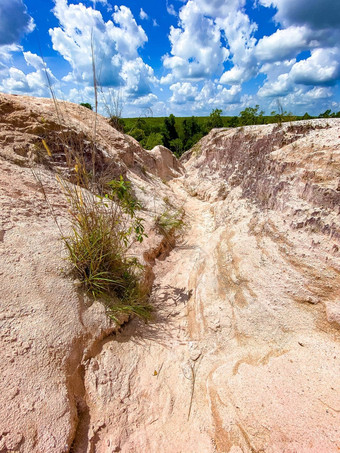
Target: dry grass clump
(104, 224)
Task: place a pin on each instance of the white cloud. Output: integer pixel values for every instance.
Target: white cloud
(6, 52)
(170, 9)
(116, 44)
(113, 44)
(16, 81)
(138, 78)
(238, 74)
(142, 14)
(284, 44)
(322, 67)
(315, 13)
(145, 101)
(14, 21)
(104, 2)
(217, 96)
(204, 98)
(280, 87)
(116, 48)
(155, 23)
(182, 93)
(196, 50)
(34, 60)
(317, 93)
(35, 82)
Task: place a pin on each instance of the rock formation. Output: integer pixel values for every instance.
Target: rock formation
(242, 354)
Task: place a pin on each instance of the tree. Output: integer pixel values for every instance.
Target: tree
(170, 132)
(87, 105)
(215, 119)
(193, 140)
(176, 147)
(251, 115)
(325, 114)
(138, 134)
(233, 121)
(154, 139)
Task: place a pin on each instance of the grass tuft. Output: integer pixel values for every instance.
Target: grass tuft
(170, 221)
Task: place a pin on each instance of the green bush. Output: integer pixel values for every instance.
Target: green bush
(87, 105)
(103, 228)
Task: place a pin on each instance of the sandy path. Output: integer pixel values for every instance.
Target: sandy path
(231, 362)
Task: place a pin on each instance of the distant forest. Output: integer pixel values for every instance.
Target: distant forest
(179, 134)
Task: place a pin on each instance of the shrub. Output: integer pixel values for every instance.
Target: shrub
(117, 123)
(87, 105)
(104, 224)
(102, 227)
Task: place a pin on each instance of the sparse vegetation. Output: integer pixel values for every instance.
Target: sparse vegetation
(104, 223)
(87, 105)
(102, 227)
(170, 221)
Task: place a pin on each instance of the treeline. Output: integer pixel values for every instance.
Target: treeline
(182, 133)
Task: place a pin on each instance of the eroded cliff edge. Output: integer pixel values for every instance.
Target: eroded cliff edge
(243, 352)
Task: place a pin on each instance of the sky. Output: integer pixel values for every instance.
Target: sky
(186, 57)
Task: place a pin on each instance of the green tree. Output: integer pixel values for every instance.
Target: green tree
(281, 114)
(251, 115)
(193, 140)
(190, 128)
(138, 134)
(154, 139)
(87, 105)
(215, 119)
(170, 132)
(142, 124)
(233, 121)
(176, 147)
(325, 114)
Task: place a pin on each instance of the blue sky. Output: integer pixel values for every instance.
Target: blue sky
(185, 57)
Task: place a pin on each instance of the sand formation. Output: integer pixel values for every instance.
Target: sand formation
(243, 352)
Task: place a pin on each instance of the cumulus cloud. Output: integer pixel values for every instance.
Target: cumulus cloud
(315, 13)
(35, 82)
(208, 34)
(112, 43)
(14, 21)
(213, 96)
(317, 93)
(284, 44)
(182, 93)
(104, 2)
(280, 87)
(137, 76)
(321, 68)
(196, 49)
(116, 45)
(204, 98)
(312, 26)
(146, 101)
